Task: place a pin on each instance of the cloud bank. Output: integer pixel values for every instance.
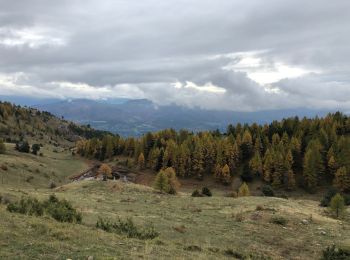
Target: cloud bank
(231, 55)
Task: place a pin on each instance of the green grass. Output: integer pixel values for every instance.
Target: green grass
(208, 224)
(34, 171)
(190, 228)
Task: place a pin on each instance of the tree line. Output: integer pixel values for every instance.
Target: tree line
(286, 154)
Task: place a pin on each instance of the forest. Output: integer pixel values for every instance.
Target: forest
(287, 154)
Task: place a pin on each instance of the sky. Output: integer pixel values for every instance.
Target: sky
(224, 55)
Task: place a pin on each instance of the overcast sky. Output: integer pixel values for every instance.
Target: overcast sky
(222, 54)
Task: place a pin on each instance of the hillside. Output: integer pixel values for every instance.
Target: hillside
(184, 227)
(18, 122)
(204, 228)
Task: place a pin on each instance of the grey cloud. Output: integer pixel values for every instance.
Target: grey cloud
(140, 48)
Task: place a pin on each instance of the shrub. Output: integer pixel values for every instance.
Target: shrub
(206, 191)
(334, 253)
(196, 193)
(35, 148)
(326, 200)
(127, 228)
(59, 210)
(4, 167)
(279, 220)
(52, 185)
(27, 206)
(62, 210)
(23, 147)
(268, 191)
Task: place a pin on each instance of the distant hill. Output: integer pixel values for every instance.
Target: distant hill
(18, 122)
(136, 117)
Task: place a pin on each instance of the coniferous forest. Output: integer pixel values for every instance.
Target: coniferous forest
(305, 153)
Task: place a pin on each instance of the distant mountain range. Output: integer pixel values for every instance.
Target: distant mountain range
(129, 117)
(136, 117)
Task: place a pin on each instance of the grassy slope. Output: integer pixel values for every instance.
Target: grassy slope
(208, 223)
(30, 171)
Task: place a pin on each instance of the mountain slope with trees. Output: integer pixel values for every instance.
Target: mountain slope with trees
(286, 154)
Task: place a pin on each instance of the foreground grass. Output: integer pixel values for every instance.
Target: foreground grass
(204, 228)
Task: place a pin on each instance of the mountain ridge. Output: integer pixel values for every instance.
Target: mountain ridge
(135, 117)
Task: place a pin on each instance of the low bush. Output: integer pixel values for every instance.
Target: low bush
(206, 192)
(196, 193)
(279, 220)
(127, 228)
(35, 149)
(268, 191)
(23, 147)
(4, 167)
(27, 206)
(60, 210)
(334, 253)
(326, 200)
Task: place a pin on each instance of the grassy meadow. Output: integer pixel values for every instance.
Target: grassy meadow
(215, 227)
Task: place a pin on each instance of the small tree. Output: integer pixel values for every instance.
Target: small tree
(2, 147)
(225, 175)
(105, 171)
(161, 182)
(141, 161)
(35, 149)
(337, 205)
(243, 190)
(174, 184)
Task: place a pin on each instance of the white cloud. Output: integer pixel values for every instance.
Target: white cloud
(33, 37)
(263, 71)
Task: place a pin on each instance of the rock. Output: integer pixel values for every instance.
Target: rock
(323, 233)
(90, 257)
(305, 221)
